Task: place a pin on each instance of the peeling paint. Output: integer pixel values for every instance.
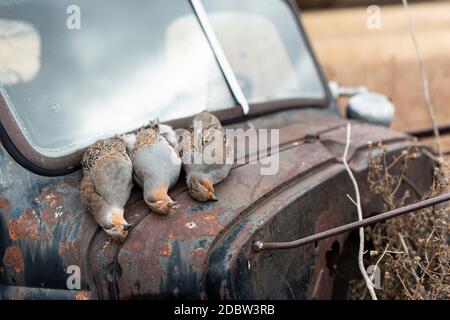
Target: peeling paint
(190, 225)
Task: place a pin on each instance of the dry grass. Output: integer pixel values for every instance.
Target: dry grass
(416, 266)
(384, 60)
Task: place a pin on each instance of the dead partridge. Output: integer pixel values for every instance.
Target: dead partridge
(106, 185)
(206, 155)
(156, 168)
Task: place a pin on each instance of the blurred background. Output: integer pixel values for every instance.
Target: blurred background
(384, 60)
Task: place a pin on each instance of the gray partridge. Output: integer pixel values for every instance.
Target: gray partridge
(156, 167)
(106, 185)
(206, 155)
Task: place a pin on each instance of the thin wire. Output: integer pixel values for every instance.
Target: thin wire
(423, 75)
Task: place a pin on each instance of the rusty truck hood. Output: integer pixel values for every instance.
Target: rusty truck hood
(190, 252)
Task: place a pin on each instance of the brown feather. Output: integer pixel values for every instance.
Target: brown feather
(145, 137)
(102, 148)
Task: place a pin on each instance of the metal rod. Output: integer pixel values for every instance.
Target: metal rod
(259, 246)
(224, 64)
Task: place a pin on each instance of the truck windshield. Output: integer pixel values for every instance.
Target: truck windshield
(74, 74)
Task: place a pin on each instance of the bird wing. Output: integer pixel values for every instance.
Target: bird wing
(95, 203)
(112, 177)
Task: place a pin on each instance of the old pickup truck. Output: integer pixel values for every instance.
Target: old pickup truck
(73, 74)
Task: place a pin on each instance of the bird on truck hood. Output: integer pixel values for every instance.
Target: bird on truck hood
(106, 185)
(156, 165)
(206, 154)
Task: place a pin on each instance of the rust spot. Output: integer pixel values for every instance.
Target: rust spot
(13, 259)
(47, 216)
(52, 205)
(213, 225)
(166, 250)
(27, 226)
(4, 203)
(46, 194)
(198, 257)
(201, 225)
(171, 234)
(82, 295)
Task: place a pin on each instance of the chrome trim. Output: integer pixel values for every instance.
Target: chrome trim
(220, 55)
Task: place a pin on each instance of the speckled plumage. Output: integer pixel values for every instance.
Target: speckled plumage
(106, 184)
(146, 136)
(210, 135)
(114, 147)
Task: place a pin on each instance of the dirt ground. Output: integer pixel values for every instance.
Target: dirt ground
(384, 60)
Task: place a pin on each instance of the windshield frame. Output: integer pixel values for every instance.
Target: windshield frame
(27, 156)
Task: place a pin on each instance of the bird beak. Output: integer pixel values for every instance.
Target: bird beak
(213, 198)
(173, 204)
(127, 226)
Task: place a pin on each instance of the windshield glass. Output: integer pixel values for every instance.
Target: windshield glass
(72, 74)
(265, 48)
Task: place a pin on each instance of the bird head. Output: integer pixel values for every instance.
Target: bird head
(201, 188)
(118, 227)
(159, 202)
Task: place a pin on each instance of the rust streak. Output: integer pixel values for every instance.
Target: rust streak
(13, 259)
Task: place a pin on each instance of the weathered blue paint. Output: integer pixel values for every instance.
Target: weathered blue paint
(44, 220)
